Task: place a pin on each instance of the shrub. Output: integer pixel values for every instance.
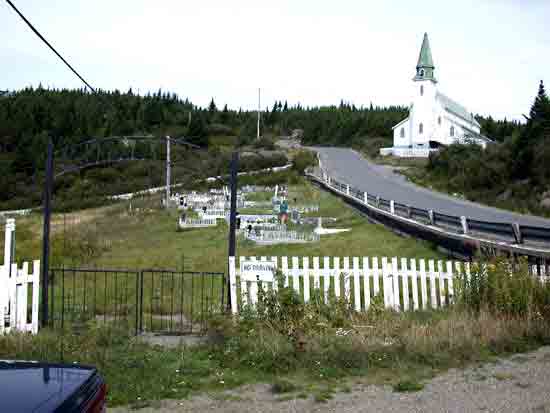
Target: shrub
(302, 160)
(503, 287)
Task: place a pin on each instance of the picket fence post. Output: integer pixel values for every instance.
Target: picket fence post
(423, 284)
(233, 285)
(386, 284)
(405, 282)
(306, 279)
(326, 278)
(356, 285)
(366, 283)
(316, 271)
(395, 284)
(414, 283)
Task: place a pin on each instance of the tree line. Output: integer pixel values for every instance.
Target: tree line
(31, 116)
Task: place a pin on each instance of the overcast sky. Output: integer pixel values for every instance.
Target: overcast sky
(489, 54)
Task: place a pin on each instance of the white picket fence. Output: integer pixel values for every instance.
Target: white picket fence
(281, 237)
(14, 298)
(197, 223)
(212, 214)
(403, 284)
(15, 286)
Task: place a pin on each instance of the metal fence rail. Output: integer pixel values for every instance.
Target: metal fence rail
(159, 301)
(513, 233)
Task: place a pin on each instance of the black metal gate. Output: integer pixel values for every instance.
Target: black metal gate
(157, 301)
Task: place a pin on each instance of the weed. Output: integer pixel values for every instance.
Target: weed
(408, 386)
(323, 396)
(283, 386)
(503, 376)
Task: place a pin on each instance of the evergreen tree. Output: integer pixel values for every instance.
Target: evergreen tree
(212, 107)
(540, 111)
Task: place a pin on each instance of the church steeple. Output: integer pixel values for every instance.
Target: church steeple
(425, 66)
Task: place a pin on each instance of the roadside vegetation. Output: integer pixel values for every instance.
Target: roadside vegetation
(313, 349)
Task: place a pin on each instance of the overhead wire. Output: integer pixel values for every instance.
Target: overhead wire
(31, 26)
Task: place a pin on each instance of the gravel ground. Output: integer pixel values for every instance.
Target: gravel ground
(517, 384)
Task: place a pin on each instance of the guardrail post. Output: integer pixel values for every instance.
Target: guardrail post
(366, 198)
(432, 217)
(347, 190)
(392, 207)
(377, 202)
(464, 222)
(409, 211)
(517, 233)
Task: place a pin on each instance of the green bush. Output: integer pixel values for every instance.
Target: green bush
(304, 159)
(503, 287)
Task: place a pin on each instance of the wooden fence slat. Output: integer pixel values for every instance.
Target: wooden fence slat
(12, 293)
(265, 285)
(326, 278)
(450, 286)
(244, 285)
(386, 284)
(21, 294)
(253, 288)
(3, 296)
(233, 285)
(366, 283)
(442, 276)
(375, 276)
(356, 284)
(414, 284)
(433, 298)
(275, 285)
(395, 283)
(336, 274)
(284, 269)
(405, 281)
(347, 283)
(306, 279)
(423, 284)
(316, 272)
(296, 274)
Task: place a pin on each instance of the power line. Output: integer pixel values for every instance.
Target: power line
(48, 44)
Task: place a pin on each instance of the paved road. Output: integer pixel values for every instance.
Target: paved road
(350, 167)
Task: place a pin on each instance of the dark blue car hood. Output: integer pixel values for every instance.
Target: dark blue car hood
(38, 387)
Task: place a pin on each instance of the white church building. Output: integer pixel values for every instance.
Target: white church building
(434, 119)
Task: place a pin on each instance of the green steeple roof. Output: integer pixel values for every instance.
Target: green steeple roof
(425, 66)
(425, 58)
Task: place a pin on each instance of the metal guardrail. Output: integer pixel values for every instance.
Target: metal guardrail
(510, 232)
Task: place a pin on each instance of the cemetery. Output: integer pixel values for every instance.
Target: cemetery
(280, 221)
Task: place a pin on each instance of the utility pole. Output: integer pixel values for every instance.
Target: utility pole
(46, 234)
(168, 171)
(232, 217)
(258, 129)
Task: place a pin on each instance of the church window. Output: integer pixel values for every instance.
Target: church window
(452, 131)
(422, 72)
(439, 120)
(421, 90)
(402, 132)
(421, 128)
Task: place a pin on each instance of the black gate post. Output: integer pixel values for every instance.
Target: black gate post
(232, 219)
(46, 233)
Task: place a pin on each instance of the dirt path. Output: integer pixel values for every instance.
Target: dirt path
(517, 384)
